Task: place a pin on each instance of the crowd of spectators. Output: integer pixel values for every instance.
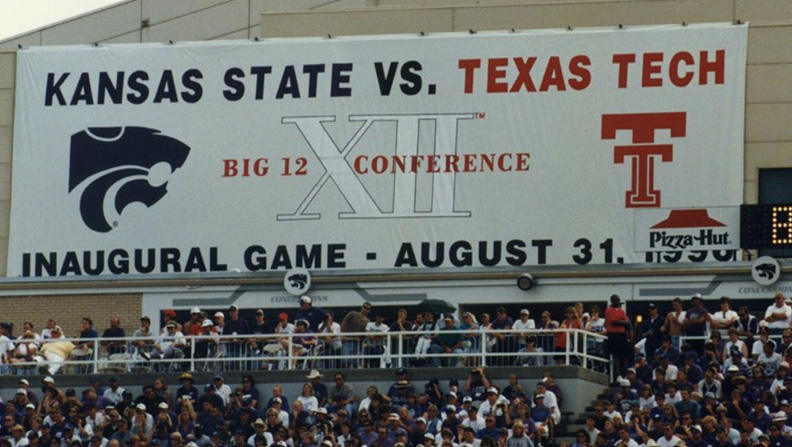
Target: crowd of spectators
(432, 339)
(472, 414)
(686, 377)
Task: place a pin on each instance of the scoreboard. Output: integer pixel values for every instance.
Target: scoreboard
(766, 226)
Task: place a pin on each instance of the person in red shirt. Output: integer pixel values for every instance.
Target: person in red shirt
(616, 323)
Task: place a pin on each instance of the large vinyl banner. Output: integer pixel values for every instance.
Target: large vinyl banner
(386, 152)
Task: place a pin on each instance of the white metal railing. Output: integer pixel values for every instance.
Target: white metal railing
(312, 350)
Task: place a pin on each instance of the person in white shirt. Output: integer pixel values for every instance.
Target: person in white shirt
(668, 439)
(672, 396)
(778, 316)
(625, 440)
(770, 359)
(377, 344)
(523, 325)
(473, 420)
(496, 403)
(222, 390)
(723, 320)
(114, 393)
(260, 428)
(550, 401)
(734, 340)
(168, 345)
(308, 400)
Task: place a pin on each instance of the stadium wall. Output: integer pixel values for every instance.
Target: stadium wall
(768, 135)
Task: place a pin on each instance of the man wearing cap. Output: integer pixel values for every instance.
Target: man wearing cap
(695, 323)
(193, 325)
(168, 345)
(221, 388)
(169, 315)
(235, 326)
(310, 313)
(54, 352)
(524, 324)
(550, 400)
(401, 383)
(495, 404)
(260, 429)
(474, 420)
(616, 324)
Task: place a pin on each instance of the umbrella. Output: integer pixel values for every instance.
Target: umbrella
(436, 306)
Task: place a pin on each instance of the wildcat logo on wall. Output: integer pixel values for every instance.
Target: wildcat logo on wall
(112, 167)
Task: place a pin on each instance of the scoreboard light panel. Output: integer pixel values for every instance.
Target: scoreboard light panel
(766, 226)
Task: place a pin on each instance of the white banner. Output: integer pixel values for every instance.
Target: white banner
(389, 152)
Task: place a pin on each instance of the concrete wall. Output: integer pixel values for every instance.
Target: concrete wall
(69, 310)
(769, 78)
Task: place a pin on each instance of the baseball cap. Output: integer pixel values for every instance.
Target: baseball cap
(233, 307)
(540, 396)
(195, 310)
(21, 391)
(24, 382)
(169, 312)
(696, 296)
(140, 407)
(283, 316)
(219, 314)
(207, 323)
(467, 399)
(163, 406)
(306, 299)
(49, 379)
(492, 389)
(525, 312)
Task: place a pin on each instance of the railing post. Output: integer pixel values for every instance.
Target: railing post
(96, 356)
(290, 340)
(401, 350)
(484, 348)
(192, 352)
(568, 345)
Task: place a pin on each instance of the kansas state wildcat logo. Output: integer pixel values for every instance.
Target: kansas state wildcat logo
(112, 167)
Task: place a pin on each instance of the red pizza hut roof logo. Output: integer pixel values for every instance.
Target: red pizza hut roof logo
(688, 219)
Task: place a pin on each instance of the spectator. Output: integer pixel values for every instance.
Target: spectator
(320, 390)
(504, 342)
(193, 325)
(376, 344)
(54, 353)
(235, 326)
(341, 395)
(564, 339)
(330, 338)
(725, 319)
(354, 322)
(448, 341)
(114, 331)
(169, 345)
(427, 332)
(315, 316)
(143, 332)
(747, 324)
(616, 323)
(523, 325)
(651, 329)
(673, 322)
(778, 315)
(695, 323)
(262, 328)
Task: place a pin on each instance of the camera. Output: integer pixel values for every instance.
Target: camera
(525, 282)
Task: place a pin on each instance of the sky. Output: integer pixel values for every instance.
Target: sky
(20, 16)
